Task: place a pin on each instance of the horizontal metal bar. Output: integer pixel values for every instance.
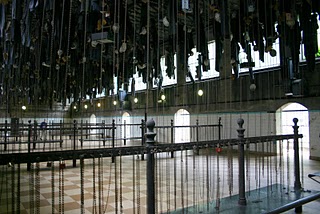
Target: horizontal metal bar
(295, 204)
(110, 152)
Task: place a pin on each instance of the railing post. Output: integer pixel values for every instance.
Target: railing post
(150, 166)
(61, 130)
(29, 145)
(219, 129)
(297, 182)
(81, 139)
(197, 136)
(113, 137)
(242, 185)
(5, 135)
(124, 133)
(74, 141)
(103, 132)
(142, 136)
(87, 128)
(172, 139)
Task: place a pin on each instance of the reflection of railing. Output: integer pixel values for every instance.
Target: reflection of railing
(182, 172)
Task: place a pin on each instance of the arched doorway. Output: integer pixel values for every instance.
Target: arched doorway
(182, 118)
(125, 128)
(285, 115)
(93, 122)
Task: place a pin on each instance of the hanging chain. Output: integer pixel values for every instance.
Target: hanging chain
(18, 188)
(247, 146)
(37, 187)
(175, 181)
(256, 164)
(281, 162)
(134, 183)
(13, 188)
(182, 186)
(288, 164)
(207, 177)
(116, 185)
(157, 184)
(186, 176)
(194, 175)
(230, 169)
(68, 47)
(218, 183)
(109, 188)
(120, 174)
(100, 186)
(268, 171)
(61, 186)
(60, 191)
(276, 161)
(52, 188)
(138, 187)
(94, 204)
(82, 185)
(31, 188)
(301, 162)
(168, 182)
(161, 172)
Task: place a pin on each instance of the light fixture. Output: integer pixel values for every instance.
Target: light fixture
(24, 108)
(135, 100)
(163, 97)
(85, 106)
(74, 107)
(99, 105)
(114, 102)
(200, 92)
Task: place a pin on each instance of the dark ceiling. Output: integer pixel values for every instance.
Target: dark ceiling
(54, 50)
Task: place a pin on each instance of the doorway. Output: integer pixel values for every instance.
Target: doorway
(182, 134)
(93, 122)
(125, 128)
(285, 115)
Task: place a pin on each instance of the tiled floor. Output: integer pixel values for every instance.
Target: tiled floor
(120, 187)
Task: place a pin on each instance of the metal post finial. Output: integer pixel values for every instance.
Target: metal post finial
(240, 122)
(150, 124)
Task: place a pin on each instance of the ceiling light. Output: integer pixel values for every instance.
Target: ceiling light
(24, 108)
(135, 100)
(200, 92)
(85, 106)
(163, 97)
(99, 105)
(115, 103)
